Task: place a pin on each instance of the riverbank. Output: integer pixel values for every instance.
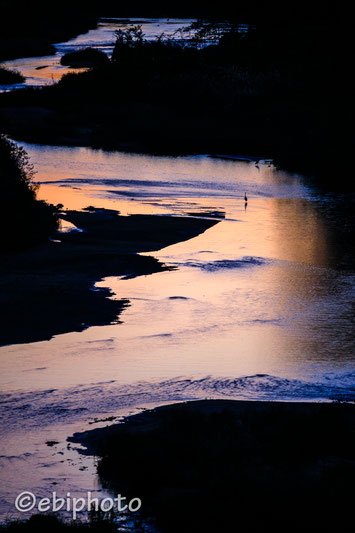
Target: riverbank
(47, 290)
(166, 113)
(259, 93)
(215, 464)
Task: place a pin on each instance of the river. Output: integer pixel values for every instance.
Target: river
(46, 70)
(260, 306)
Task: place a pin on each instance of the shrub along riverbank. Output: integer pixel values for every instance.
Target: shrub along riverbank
(24, 220)
(9, 77)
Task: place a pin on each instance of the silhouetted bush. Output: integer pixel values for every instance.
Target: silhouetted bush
(24, 220)
(8, 77)
(88, 57)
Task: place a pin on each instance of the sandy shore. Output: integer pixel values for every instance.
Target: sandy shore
(220, 465)
(46, 291)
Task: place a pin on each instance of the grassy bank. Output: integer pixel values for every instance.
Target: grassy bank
(219, 465)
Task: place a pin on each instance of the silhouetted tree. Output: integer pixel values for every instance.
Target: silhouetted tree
(24, 220)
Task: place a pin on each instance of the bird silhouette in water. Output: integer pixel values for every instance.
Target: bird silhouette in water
(245, 200)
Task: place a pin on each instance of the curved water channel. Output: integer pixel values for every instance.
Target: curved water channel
(260, 306)
(46, 70)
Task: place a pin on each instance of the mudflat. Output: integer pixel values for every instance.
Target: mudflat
(48, 290)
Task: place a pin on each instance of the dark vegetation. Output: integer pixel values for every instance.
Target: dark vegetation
(24, 220)
(97, 523)
(29, 28)
(9, 77)
(260, 93)
(47, 523)
(48, 290)
(220, 465)
(88, 57)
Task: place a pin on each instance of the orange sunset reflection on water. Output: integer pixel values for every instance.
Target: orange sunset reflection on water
(256, 307)
(256, 293)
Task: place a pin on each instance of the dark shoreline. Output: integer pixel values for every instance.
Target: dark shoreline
(47, 290)
(53, 127)
(93, 439)
(316, 170)
(275, 466)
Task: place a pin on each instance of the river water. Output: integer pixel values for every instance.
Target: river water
(45, 70)
(259, 307)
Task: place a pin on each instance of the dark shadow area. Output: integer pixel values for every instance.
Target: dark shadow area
(219, 465)
(242, 11)
(29, 29)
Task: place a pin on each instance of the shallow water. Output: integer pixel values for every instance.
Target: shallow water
(260, 307)
(45, 70)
